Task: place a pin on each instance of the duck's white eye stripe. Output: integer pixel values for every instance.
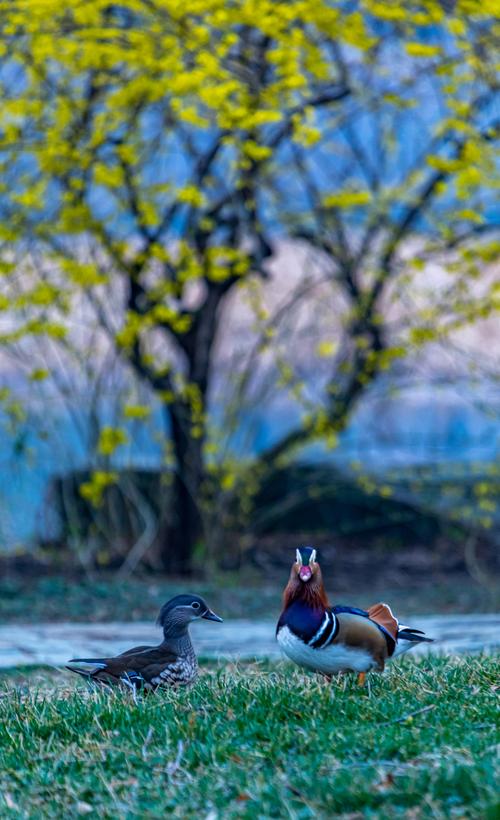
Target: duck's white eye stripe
(312, 559)
(298, 557)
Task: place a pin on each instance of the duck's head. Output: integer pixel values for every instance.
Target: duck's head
(176, 615)
(306, 581)
(305, 566)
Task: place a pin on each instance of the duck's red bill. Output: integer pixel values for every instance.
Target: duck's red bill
(305, 573)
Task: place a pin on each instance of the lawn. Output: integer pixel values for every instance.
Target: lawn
(256, 741)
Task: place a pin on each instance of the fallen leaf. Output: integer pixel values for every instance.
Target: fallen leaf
(9, 801)
(83, 808)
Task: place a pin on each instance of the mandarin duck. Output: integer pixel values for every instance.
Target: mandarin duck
(171, 663)
(329, 639)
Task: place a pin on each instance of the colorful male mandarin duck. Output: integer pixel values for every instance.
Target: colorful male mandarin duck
(336, 639)
(172, 663)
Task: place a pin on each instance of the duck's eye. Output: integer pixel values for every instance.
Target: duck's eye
(195, 605)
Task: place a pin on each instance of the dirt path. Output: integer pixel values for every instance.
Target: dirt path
(54, 644)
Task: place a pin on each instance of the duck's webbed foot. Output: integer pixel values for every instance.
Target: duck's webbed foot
(361, 678)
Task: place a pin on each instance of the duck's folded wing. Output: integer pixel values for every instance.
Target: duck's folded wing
(135, 649)
(379, 621)
(89, 667)
(134, 667)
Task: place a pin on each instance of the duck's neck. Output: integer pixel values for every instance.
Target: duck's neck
(177, 642)
(176, 631)
(312, 593)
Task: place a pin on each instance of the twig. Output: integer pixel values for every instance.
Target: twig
(171, 768)
(409, 715)
(146, 743)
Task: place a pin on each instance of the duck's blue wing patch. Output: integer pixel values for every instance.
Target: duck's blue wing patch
(337, 610)
(132, 679)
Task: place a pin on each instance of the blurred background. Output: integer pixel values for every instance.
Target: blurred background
(249, 299)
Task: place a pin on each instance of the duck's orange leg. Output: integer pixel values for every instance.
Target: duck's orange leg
(361, 678)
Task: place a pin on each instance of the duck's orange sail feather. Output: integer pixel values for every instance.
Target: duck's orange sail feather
(382, 614)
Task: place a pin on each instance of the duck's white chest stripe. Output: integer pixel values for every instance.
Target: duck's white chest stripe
(329, 659)
(326, 632)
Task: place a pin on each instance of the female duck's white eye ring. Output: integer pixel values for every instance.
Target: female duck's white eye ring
(298, 557)
(312, 559)
(195, 605)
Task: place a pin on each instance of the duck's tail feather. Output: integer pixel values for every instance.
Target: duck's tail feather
(86, 667)
(415, 635)
(408, 638)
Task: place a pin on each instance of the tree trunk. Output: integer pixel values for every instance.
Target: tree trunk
(183, 522)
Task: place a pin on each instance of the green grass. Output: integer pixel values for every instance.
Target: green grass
(257, 741)
(235, 596)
